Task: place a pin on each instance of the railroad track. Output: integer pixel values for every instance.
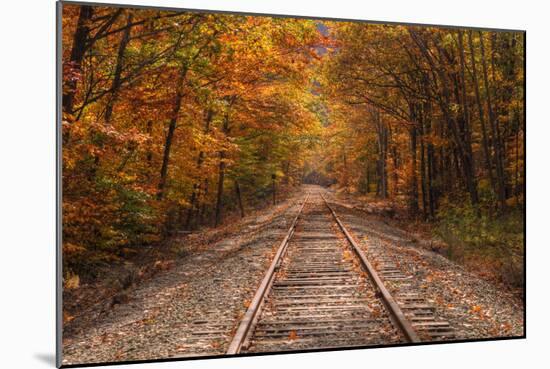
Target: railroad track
(321, 291)
(407, 290)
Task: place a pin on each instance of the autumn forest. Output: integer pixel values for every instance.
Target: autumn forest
(179, 122)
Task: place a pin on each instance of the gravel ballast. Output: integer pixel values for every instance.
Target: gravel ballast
(193, 308)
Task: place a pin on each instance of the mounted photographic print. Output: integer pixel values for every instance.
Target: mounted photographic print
(242, 184)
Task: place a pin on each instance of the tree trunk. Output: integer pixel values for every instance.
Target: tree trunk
(78, 50)
(485, 138)
(202, 211)
(221, 175)
(368, 178)
(431, 190)
(460, 136)
(345, 174)
(430, 152)
(413, 207)
(118, 69)
(149, 155)
(286, 170)
(427, 161)
(196, 186)
(239, 198)
(115, 86)
(219, 197)
(274, 188)
(496, 97)
(501, 194)
(395, 160)
(382, 156)
(170, 135)
(423, 182)
(516, 174)
(384, 162)
(469, 162)
(194, 194)
(508, 62)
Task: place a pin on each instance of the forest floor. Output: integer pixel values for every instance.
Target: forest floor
(214, 274)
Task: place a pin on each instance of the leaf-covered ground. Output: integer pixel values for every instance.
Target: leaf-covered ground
(214, 280)
(193, 306)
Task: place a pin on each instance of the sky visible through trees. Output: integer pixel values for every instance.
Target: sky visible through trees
(173, 121)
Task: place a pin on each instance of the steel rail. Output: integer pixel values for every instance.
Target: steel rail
(395, 311)
(252, 313)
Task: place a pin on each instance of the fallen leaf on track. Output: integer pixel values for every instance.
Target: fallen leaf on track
(292, 335)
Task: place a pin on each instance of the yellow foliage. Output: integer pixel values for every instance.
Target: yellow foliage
(72, 281)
